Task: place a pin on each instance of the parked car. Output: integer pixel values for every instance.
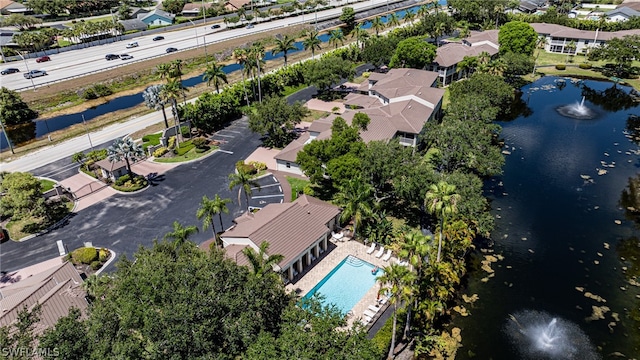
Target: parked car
(250, 26)
(126, 57)
(132, 45)
(216, 26)
(43, 59)
(34, 74)
(158, 38)
(171, 49)
(111, 56)
(9, 71)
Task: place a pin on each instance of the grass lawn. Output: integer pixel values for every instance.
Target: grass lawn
(315, 115)
(190, 155)
(288, 90)
(445, 98)
(150, 140)
(16, 227)
(46, 185)
(297, 186)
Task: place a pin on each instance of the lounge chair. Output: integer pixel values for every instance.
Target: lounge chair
(380, 252)
(365, 320)
(369, 313)
(374, 308)
(383, 300)
(337, 236)
(372, 248)
(387, 256)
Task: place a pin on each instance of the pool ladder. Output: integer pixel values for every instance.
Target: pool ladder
(354, 261)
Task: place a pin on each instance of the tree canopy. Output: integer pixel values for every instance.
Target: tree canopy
(275, 119)
(517, 37)
(413, 52)
(348, 17)
(622, 51)
(14, 111)
(327, 71)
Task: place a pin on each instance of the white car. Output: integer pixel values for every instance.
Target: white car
(132, 45)
(126, 57)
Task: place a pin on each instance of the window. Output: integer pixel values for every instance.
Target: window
(288, 165)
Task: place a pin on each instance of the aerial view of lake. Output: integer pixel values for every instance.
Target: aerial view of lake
(566, 239)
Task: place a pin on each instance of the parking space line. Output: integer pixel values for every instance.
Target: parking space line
(265, 186)
(229, 136)
(266, 196)
(226, 151)
(274, 179)
(279, 187)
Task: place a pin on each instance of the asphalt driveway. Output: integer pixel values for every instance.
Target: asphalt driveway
(125, 222)
(270, 191)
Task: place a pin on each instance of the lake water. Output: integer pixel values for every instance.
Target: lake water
(560, 227)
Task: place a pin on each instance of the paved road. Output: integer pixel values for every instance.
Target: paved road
(91, 59)
(124, 222)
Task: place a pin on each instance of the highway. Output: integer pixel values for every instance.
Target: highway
(90, 60)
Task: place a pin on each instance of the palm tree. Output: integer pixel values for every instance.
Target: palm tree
(220, 206)
(392, 20)
(377, 24)
(171, 92)
(241, 58)
(153, 100)
(397, 280)
(571, 47)
(312, 42)
(467, 64)
(336, 37)
(164, 70)
(256, 56)
(409, 16)
(484, 58)
(355, 200)
(124, 149)
(463, 28)
(423, 11)
(496, 67)
(359, 33)
(206, 212)
(284, 45)
(245, 181)
(261, 262)
(180, 234)
(441, 200)
(176, 69)
(215, 74)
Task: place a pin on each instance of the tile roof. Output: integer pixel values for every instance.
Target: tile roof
(560, 31)
(452, 53)
(629, 12)
(56, 289)
(289, 228)
(488, 37)
(290, 152)
(237, 3)
(111, 166)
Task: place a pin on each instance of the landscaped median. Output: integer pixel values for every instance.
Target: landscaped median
(185, 151)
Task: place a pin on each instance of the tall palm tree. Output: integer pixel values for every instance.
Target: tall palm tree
(441, 200)
(220, 206)
(153, 100)
(284, 45)
(245, 182)
(125, 149)
(311, 41)
(241, 58)
(377, 24)
(261, 262)
(393, 20)
(423, 11)
(171, 92)
(180, 234)
(206, 212)
(164, 70)
(336, 37)
(409, 16)
(571, 46)
(355, 200)
(215, 74)
(176, 69)
(360, 34)
(484, 58)
(397, 280)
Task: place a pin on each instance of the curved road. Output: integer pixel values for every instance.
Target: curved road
(92, 59)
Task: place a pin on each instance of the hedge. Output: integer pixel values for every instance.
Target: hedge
(561, 66)
(184, 148)
(585, 66)
(84, 255)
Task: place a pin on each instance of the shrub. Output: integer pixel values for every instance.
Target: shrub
(123, 179)
(160, 151)
(585, 66)
(96, 265)
(561, 66)
(172, 142)
(97, 155)
(84, 255)
(200, 142)
(201, 150)
(102, 90)
(146, 138)
(103, 254)
(366, 74)
(185, 131)
(258, 165)
(184, 148)
(89, 94)
(246, 168)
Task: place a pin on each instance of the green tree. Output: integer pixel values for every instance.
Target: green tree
(171, 92)
(207, 210)
(180, 234)
(413, 53)
(173, 6)
(153, 100)
(125, 149)
(441, 200)
(261, 262)
(377, 24)
(245, 182)
(284, 45)
(398, 281)
(360, 34)
(312, 42)
(468, 64)
(14, 111)
(336, 37)
(241, 58)
(215, 74)
(22, 195)
(211, 111)
(622, 51)
(68, 336)
(348, 17)
(275, 119)
(393, 20)
(517, 37)
(327, 71)
(355, 199)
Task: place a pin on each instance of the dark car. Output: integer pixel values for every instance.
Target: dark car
(112, 56)
(9, 71)
(43, 59)
(158, 38)
(216, 26)
(34, 73)
(171, 49)
(126, 57)
(250, 26)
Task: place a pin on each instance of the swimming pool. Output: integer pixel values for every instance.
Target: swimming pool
(346, 284)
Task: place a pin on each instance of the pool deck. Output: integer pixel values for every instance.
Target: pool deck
(330, 261)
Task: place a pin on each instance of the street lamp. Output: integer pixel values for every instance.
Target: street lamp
(204, 34)
(196, 30)
(27, 65)
(87, 130)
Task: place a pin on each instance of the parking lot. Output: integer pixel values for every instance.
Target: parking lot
(270, 192)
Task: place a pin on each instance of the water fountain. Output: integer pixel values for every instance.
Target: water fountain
(577, 111)
(539, 335)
